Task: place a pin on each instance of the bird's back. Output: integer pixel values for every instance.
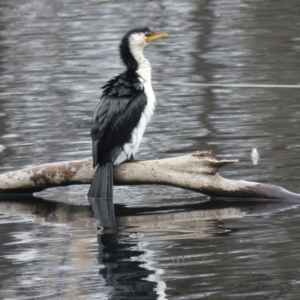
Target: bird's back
(117, 114)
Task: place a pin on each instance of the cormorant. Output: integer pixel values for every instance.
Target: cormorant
(125, 108)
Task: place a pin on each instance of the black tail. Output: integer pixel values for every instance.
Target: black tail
(102, 184)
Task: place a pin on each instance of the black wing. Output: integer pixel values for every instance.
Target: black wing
(114, 119)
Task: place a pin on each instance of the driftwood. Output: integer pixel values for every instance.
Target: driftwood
(197, 172)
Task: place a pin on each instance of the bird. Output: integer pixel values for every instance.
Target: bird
(126, 106)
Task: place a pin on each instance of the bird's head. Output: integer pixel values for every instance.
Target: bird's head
(134, 42)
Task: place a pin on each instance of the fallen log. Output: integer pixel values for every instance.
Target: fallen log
(197, 172)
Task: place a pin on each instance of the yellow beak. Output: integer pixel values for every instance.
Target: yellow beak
(156, 36)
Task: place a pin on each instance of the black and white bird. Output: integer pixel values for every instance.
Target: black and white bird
(125, 108)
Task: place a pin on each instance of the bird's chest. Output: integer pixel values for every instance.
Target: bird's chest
(130, 148)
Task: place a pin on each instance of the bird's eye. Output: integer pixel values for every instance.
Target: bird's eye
(148, 34)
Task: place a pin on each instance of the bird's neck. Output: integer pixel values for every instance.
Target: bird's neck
(144, 70)
(143, 65)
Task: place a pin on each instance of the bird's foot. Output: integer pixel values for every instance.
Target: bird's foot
(132, 159)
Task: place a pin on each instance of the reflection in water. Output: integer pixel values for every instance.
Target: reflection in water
(104, 212)
(123, 269)
(134, 263)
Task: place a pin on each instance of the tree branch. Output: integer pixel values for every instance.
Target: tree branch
(197, 172)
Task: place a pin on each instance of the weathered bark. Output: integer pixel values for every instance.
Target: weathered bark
(197, 172)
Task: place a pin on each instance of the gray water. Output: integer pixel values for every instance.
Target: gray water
(224, 81)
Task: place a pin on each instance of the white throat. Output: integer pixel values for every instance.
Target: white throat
(144, 67)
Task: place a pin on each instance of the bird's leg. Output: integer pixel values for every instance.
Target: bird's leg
(132, 159)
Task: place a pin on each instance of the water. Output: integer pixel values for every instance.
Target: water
(224, 81)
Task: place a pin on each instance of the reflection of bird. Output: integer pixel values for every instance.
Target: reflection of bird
(126, 106)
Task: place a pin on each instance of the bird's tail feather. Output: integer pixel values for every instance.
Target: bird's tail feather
(102, 184)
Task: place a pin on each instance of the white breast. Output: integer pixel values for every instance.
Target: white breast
(144, 72)
(138, 132)
(130, 149)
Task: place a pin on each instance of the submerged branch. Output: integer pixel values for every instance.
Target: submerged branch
(197, 172)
